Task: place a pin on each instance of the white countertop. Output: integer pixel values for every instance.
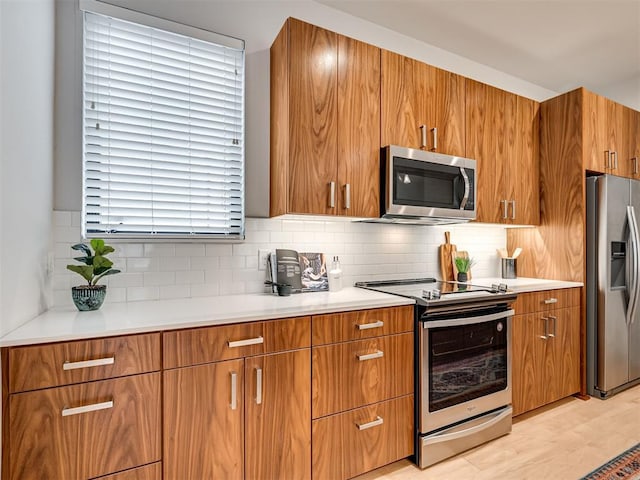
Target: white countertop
(62, 324)
(522, 284)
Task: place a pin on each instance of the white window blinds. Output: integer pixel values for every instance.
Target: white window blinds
(163, 133)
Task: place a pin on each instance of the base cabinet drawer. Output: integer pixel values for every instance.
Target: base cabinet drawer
(350, 375)
(85, 431)
(147, 472)
(354, 442)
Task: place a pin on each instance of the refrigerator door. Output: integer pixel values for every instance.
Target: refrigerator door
(614, 280)
(634, 326)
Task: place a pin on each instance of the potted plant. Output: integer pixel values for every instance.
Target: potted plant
(463, 265)
(96, 265)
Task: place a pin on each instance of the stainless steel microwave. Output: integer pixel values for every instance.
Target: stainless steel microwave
(426, 187)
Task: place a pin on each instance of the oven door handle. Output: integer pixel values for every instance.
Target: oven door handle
(446, 437)
(468, 320)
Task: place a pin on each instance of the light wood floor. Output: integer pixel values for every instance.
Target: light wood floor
(563, 441)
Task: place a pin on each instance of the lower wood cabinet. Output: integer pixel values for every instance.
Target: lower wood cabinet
(350, 443)
(546, 356)
(147, 472)
(84, 431)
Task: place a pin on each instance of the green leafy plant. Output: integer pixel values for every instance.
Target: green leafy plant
(96, 264)
(464, 264)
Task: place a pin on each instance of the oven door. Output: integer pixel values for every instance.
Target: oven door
(465, 366)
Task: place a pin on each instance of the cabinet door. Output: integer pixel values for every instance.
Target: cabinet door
(278, 415)
(204, 421)
(528, 353)
(618, 143)
(630, 166)
(595, 132)
(564, 373)
(312, 118)
(415, 94)
(490, 113)
(358, 128)
(84, 431)
(524, 169)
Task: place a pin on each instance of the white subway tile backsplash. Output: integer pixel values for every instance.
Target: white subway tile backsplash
(367, 251)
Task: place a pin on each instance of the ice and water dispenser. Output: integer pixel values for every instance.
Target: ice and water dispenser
(618, 264)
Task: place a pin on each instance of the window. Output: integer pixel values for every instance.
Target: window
(163, 128)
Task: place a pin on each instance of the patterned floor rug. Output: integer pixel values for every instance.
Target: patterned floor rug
(625, 466)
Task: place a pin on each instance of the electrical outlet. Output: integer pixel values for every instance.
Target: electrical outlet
(263, 257)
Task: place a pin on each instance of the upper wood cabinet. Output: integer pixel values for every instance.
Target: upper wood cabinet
(502, 136)
(633, 164)
(610, 136)
(325, 130)
(422, 106)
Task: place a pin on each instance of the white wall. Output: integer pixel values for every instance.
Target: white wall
(257, 22)
(26, 158)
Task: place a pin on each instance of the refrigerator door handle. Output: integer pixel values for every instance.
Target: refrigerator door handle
(635, 265)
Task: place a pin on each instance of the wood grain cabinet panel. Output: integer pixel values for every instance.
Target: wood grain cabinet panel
(51, 365)
(353, 374)
(278, 416)
(360, 324)
(502, 136)
(547, 300)
(415, 95)
(204, 421)
(354, 442)
(325, 133)
(84, 431)
(546, 352)
(147, 472)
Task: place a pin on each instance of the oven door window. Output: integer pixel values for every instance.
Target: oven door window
(466, 362)
(426, 184)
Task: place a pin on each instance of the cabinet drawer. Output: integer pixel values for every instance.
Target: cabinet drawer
(195, 346)
(355, 442)
(84, 431)
(350, 375)
(531, 302)
(342, 327)
(148, 472)
(52, 365)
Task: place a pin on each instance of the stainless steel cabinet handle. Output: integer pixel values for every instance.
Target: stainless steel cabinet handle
(347, 196)
(546, 329)
(434, 130)
(554, 319)
(332, 194)
(66, 412)
(607, 159)
(549, 301)
(368, 326)
(423, 134)
(505, 206)
(244, 343)
(258, 386)
(635, 165)
(370, 356)
(513, 209)
(234, 390)
(614, 157)
(98, 362)
(374, 423)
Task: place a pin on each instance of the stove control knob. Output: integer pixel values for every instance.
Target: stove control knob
(495, 288)
(435, 294)
(426, 294)
(503, 287)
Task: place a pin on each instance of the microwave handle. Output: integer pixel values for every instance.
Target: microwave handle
(467, 188)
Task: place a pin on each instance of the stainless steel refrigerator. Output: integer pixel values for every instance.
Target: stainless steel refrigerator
(613, 284)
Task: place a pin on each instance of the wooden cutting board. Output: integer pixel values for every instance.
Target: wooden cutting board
(446, 253)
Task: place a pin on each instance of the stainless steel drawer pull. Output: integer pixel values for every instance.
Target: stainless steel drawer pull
(371, 356)
(258, 386)
(234, 390)
(434, 130)
(332, 194)
(98, 362)
(374, 423)
(635, 165)
(549, 301)
(505, 208)
(347, 196)
(368, 326)
(614, 156)
(423, 129)
(66, 412)
(513, 209)
(554, 319)
(607, 159)
(244, 343)
(546, 329)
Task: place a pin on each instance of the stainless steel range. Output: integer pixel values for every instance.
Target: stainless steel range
(463, 371)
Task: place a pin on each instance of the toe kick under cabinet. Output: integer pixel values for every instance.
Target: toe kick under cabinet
(362, 390)
(82, 409)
